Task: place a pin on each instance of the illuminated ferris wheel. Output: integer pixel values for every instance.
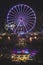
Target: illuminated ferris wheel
(21, 18)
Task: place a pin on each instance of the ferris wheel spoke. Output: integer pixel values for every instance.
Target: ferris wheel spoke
(27, 10)
(17, 26)
(31, 19)
(31, 16)
(30, 22)
(13, 11)
(29, 13)
(25, 26)
(29, 25)
(24, 9)
(9, 15)
(16, 9)
(10, 18)
(21, 8)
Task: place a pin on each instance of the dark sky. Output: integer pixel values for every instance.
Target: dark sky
(5, 5)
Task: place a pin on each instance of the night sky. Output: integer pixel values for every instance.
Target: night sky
(36, 5)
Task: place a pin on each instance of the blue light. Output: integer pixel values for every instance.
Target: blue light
(21, 51)
(18, 51)
(21, 33)
(26, 51)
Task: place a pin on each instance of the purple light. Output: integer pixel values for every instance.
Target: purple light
(20, 51)
(34, 52)
(23, 17)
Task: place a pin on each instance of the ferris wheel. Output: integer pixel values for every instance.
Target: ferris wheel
(21, 18)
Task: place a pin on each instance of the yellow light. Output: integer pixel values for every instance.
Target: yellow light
(4, 34)
(35, 33)
(21, 41)
(0, 37)
(8, 37)
(19, 58)
(12, 57)
(1, 55)
(30, 39)
(35, 37)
